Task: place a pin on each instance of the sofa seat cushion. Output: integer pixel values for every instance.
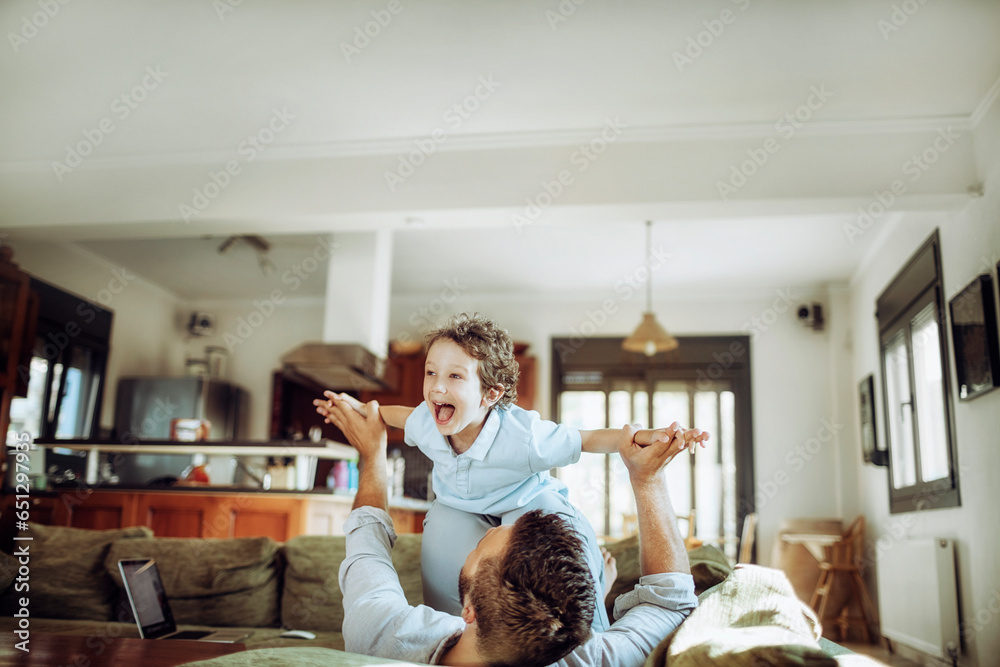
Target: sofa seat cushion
(216, 582)
(312, 599)
(67, 574)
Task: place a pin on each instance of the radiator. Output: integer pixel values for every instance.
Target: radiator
(917, 598)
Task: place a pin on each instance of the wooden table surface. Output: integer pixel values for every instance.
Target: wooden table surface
(86, 651)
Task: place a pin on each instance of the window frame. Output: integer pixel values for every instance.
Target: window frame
(916, 286)
(698, 358)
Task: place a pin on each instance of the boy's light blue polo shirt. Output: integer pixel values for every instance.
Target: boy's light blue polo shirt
(506, 467)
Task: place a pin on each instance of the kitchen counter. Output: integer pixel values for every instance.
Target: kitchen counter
(206, 511)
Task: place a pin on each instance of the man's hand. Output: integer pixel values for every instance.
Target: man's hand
(645, 461)
(661, 548)
(368, 436)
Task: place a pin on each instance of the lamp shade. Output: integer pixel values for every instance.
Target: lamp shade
(650, 338)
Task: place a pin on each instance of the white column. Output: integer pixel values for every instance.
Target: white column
(358, 283)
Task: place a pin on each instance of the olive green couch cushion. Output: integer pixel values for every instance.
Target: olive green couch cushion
(67, 577)
(312, 599)
(216, 582)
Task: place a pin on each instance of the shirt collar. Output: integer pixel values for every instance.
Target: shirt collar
(486, 437)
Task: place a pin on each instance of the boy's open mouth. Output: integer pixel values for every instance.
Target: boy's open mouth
(443, 412)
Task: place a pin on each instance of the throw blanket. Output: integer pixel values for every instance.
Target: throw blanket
(751, 618)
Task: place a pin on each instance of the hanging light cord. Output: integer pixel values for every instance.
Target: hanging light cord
(649, 273)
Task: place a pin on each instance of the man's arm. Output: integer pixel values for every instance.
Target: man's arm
(605, 440)
(665, 594)
(392, 415)
(661, 547)
(367, 435)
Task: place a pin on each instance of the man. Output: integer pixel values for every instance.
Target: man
(526, 590)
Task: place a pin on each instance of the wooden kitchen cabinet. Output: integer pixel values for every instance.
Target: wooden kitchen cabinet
(95, 511)
(207, 515)
(190, 514)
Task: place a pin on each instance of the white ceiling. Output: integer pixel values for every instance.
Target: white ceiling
(554, 85)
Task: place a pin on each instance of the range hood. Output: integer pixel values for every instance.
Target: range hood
(355, 318)
(340, 367)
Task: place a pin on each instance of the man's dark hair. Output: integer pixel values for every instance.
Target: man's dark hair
(535, 602)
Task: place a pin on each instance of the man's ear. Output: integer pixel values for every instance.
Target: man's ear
(493, 395)
(468, 613)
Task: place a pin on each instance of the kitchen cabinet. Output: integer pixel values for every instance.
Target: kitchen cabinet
(187, 513)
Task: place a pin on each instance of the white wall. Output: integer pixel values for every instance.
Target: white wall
(256, 337)
(146, 335)
(791, 369)
(970, 245)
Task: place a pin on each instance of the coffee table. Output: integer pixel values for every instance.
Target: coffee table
(48, 650)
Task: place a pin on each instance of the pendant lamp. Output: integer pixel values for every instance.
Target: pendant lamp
(649, 338)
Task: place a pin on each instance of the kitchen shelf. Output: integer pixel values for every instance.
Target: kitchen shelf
(302, 454)
(332, 450)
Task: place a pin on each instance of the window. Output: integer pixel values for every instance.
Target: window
(66, 373)
(705, 383)
(915, 388)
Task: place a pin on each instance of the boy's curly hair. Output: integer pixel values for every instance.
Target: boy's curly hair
(535, 602)
(482, 339)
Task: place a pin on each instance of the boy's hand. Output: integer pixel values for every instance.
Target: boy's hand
(689, 437)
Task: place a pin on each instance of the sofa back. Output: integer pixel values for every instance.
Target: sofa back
(312, 599)
(248, 582)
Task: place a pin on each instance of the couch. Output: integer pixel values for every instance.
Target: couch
(262, 586)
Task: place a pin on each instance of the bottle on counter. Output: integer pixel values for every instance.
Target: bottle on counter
(352, 475)
(396, 472)
(339, 477)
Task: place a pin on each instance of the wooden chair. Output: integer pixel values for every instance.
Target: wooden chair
(845, 560)
(747, 538)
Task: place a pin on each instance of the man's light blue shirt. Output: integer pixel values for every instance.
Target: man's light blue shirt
(378, 621)
(506, 467)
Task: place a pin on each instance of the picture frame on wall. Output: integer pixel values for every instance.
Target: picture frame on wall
(974, 337)
(869, 438)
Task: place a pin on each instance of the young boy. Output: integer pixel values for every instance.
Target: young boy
(491, 458)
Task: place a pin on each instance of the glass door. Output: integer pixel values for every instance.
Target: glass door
(704, 481)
